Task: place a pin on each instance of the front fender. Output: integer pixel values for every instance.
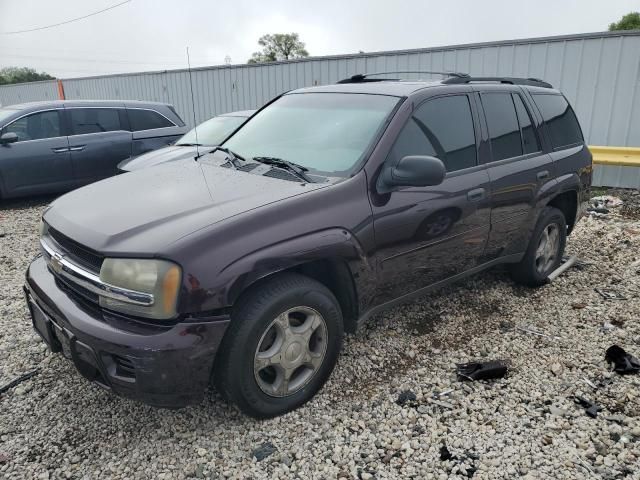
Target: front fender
(237, 276)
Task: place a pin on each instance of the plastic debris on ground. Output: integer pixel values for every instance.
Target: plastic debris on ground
(19, 380)
(264, 451)
(482, 371)
(601, 205)
(406, 397)
(623, 362)
(606, 201)
(590, 407)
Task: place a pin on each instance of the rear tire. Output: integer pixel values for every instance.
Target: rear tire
(281, 346)
(545, 249)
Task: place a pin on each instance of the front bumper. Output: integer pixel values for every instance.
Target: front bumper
(161, 365)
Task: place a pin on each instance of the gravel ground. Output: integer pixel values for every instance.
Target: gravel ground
(56, 425)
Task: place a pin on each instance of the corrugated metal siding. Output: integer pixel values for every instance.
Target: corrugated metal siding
(28, 92)
(599, 73)
(612, 176)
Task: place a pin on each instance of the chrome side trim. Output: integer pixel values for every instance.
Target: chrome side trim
(65, 268)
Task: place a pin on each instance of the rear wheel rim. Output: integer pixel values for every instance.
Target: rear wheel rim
(548, 248)
(290, 351)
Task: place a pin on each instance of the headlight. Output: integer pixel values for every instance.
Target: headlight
(159, 278)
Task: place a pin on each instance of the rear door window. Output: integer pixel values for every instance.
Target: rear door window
(94, 120)
(529, 138)
(564, 128)
(146, 120)
(36, 126)
(502, 121)
(442, 128)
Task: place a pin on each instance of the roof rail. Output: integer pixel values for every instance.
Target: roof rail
(364, 77)
(533, 82)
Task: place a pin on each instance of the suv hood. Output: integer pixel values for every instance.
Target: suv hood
(139, 213)
(162, 155)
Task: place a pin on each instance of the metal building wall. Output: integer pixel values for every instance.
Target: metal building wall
(28, 92)
(599, 73)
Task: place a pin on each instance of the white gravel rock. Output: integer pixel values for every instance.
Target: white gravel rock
(56, 425)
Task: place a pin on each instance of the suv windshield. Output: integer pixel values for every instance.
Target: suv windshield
(325, 132)
(212, 132)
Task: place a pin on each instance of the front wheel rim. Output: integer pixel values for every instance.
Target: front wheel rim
(290, 351)
(548, 248)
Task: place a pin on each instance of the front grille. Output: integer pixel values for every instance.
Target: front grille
(76, 290)
(77, 253)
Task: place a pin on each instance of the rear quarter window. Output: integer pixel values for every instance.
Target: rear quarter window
(147, 120)
(504, 128)
(561, 121)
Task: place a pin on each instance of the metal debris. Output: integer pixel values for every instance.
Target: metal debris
(446, 392)
(590, 383)
(610, 294)
(441, 404)
(570, 262)
(533, 331)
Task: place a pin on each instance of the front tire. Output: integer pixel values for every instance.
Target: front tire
(545, 249)
(282, 345)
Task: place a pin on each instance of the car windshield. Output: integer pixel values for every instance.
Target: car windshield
(5, 113)
(327, 133)
(211, 132)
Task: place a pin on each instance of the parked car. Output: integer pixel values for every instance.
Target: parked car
(49, 147)
(197, 140)
(330, 204)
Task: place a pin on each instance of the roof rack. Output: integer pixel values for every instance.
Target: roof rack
(533, 82)
(364, 77)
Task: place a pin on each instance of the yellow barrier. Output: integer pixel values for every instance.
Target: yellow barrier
(616, 156)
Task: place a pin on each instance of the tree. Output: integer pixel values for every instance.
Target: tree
(631, 21)
(21, 75)
(279, 46)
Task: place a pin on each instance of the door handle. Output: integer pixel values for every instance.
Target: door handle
(542, 174)
(77, 148)
(476, 194)
(60, 150)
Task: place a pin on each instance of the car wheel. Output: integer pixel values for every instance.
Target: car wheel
(281, 346)
(545, 249)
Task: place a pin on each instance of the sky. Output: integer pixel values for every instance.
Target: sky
(149, 35)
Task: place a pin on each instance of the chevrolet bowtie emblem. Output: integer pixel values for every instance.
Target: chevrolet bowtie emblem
(56, 263)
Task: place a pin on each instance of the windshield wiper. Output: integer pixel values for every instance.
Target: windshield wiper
(297, 170)
(232, 157)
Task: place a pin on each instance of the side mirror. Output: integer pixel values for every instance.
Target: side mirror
(8, 137)
(412, 171)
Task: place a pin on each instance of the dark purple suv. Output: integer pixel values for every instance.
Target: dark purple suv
(245, 266)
